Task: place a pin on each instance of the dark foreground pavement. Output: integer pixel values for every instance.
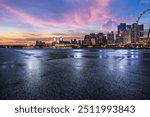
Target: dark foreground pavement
(74, 74)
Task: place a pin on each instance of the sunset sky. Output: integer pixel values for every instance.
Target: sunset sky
(24, 21)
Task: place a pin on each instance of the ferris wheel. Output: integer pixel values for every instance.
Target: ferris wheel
(145, 17)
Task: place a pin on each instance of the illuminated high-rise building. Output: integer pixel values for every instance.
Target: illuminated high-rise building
(110, 37)
(141, 30)
(95, 39)
(61, 40)
(87, 40)
(128, 35)
(119, 39)
(137, 32)
(101, 39)
(121, 29)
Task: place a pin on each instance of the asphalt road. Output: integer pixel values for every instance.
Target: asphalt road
(71, 74)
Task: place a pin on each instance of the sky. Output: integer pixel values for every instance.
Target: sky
(25, 21)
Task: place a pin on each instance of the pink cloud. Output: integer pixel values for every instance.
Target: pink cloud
(92, 13)
(109, 25)
(95, 11)
(24, 17)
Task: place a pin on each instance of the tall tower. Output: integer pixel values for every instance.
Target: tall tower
(121, 29)
(135, 33)
(110, 38)
(128, 35)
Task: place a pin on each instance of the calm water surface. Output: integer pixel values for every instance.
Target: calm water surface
(74, 74)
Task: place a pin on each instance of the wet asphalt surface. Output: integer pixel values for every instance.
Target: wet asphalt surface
(74, 74)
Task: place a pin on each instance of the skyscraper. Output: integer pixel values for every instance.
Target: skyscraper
(110, 38)
(135, 38)
(95, 39)
(141, 30)
(87, 40)
(128, 35)
(121, 29)
(137, 32)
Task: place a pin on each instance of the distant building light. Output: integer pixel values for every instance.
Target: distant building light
(54, 39)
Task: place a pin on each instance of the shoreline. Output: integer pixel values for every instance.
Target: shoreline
(68, 48)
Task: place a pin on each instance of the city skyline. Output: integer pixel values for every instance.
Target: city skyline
(27, 21)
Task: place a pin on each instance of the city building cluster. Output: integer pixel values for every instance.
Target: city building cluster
(126, 36)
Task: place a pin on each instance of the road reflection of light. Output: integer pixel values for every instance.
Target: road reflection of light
(77, 55)
(78, 69)
(110, 63)
(134, 56)
(33, 67)
(78, 50)
(100, 56)
(78, 60)
(131, 58)
(30, 52)
(122, 65)
(33, 64)
(121, 52)
(116, 60)
(33, 74)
